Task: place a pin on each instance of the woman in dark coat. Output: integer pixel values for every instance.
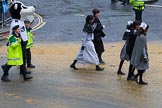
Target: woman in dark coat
(140, 58)
(98, 35)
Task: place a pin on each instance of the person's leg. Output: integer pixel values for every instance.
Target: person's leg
(119, 69)
(28, 58)
(24, 51)
(24, 58)
(99, 54)
(24, 72)
(136, 76)
(73, 65)
(129, 77)
(141, 78)
(138, 15)
(5, 69)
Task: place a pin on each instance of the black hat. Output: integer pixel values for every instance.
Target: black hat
(15, 27)
(27, 21)
(88, 18)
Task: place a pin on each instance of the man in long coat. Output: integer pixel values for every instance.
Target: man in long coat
(98, 35)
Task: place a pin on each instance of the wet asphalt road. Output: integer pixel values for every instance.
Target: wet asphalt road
(65, 19)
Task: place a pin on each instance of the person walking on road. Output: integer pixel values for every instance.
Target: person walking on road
(87, 53)
(29, 44)
(123, 55)
(138, 7)
(140, 58)
(15, 55)
(98, 35)
(130, 46)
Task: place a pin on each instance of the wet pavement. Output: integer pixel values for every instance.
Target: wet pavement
(65, 19)
(56, 44)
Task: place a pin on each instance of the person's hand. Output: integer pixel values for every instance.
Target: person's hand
(103, 26)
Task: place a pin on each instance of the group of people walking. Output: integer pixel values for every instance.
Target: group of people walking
(19, 53)
(134, 49)
(92, 45)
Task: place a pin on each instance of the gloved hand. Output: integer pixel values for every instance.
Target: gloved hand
(82, 48)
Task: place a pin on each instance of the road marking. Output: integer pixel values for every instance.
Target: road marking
(40, 22)
(158, 6)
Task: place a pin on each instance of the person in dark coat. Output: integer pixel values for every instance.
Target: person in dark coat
(140, 59)
(129, 49)
(98, 35)
(123, 55)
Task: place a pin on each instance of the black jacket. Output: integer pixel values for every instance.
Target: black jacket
(98, 34)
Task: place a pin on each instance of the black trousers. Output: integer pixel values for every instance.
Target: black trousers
(138, 15)
(23, 66)
(28, 56)
(24, 44)
(7, 68)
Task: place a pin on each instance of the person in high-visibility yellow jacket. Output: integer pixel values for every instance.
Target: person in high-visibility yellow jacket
(138, 7)
(29, 44)
(15, 55)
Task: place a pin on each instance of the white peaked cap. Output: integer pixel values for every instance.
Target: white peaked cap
(130, 22)
(143, 25)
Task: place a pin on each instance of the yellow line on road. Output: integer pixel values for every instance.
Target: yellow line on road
(40, 22)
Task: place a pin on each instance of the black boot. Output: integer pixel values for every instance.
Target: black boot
(26, 78)
(30, 66)
(5, 79)
(73, 65)
(141, 82)
(119, 72)
(129, 77)
(99, 68)
(5, 74)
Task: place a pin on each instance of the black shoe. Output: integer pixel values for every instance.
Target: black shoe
(143, 83)
(120, 73)
(136, 80)
(130, 79)
(27, 72)
(5, 79)
(73, 66)
(99, 69)
(31, 66)
(26, 78)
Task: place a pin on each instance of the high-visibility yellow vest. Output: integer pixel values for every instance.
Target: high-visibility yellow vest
(14, 49)
(30, 39)
(138, 4)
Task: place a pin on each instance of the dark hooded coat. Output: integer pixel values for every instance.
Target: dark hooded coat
(98, 34)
